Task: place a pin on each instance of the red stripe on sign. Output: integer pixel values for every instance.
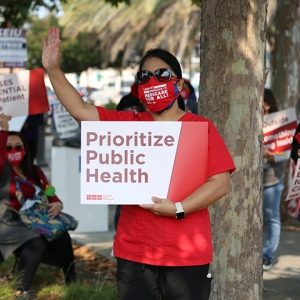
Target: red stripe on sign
(280, 139)
(190, 165)
(38, 100)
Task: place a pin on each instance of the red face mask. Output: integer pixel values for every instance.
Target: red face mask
(157, 95)
(14, 157)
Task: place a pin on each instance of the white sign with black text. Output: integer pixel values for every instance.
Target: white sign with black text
(13, 48)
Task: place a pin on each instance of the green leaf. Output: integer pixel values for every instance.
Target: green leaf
(50, 190)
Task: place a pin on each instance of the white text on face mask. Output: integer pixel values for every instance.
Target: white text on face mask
(14, 156)
(156, 92)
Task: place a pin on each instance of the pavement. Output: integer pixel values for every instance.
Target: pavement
(102, 242)
(281, 282)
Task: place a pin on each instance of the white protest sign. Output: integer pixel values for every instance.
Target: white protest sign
(294, 191)
(279, 129)
(291, 205)
(129, 162)
(13, 48)
(64, 124)
(23, 93)
(14, 94)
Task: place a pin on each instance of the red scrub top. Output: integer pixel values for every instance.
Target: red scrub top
(165, 241)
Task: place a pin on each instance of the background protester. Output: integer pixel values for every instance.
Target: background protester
(189, 97)
(273, 183)
(29, 246)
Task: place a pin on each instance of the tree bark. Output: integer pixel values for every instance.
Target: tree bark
(285, 56)
(231, 87)
(286, 68)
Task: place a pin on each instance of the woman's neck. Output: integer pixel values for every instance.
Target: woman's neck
(174, 113)
(18, 170)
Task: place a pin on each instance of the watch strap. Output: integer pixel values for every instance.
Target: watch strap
(180, 214)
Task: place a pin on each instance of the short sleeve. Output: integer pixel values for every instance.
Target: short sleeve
(113, 115)
(219, 158)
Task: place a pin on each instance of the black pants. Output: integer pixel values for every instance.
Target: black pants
(32, 253)
(147, 282)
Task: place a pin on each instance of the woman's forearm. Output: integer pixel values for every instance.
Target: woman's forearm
(215, 188)
(65, 92)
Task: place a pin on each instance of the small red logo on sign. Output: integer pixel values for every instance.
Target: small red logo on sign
(94, 197)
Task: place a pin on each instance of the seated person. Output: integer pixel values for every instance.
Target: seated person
(29, 246)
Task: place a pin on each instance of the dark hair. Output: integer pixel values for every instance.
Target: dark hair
(270, 99)
(164, 55)
(26, 165)
(170, 60)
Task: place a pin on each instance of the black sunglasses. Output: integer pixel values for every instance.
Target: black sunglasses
(162, 75)
(17, 147)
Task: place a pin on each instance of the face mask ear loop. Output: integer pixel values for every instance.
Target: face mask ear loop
(176, 89)
(170, 105)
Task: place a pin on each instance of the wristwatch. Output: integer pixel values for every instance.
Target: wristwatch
(180, 214)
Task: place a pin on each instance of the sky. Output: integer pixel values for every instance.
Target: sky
(42, 12)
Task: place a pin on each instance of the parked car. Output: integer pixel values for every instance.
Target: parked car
(85, 92)
(112, 91)
(104, 96)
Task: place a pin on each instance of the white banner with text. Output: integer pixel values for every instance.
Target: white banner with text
(129, 162)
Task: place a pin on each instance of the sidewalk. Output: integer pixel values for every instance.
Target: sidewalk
(99, 241)
(281, 282)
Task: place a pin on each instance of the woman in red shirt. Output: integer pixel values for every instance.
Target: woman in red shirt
(29, 246)
(164, 249)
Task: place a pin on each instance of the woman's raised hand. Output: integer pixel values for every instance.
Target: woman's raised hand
(51, 49)
(4, 121)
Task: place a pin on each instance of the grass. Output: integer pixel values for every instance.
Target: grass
(50, 287)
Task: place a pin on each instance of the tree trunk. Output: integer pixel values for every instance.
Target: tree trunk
(286, 67)
(232, 81)
(285, 56)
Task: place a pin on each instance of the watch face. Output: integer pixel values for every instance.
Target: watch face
(180, 215)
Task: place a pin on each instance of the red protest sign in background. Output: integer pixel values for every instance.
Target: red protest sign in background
(38, 99)
(279, 129)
